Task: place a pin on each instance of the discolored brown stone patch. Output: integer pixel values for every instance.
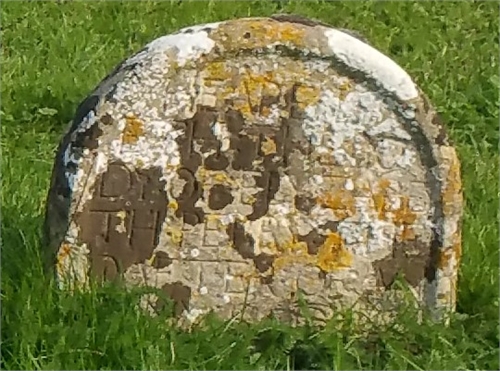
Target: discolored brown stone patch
(88, 138)
(191, 193)
(316, 238)
(244, 245)
(242, 242)
(220, 196)
(179, 294)
(122, 221)
(304, 204)
(161, 260)
(411, 260)
(263, 262)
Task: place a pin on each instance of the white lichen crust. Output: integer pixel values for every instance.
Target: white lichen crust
(270, 158)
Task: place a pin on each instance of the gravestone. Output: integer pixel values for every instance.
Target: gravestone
(247, 165)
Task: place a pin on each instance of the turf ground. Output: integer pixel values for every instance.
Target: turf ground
(54, 54)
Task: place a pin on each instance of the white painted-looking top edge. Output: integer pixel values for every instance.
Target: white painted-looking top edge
(187, 45)
(362, 57)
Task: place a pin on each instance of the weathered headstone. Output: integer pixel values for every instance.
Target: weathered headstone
(244, 164)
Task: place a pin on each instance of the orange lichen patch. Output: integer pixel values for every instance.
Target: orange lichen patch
(332, 255)
(452, 192)
(380, 205)
(294, 245)
(448, 254)
(265, 111)
(289, 253)
(245, 89)
(253, 86)
(64, 252)
(407, 234)
(306, 96)
(268, 146)
(404, 216)
(255, 34)
(454, 252)
(341, 202)
(134, 128)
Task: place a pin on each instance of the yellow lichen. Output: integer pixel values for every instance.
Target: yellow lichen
(289, 253)
(379, 201)
(344, 89)
(379, 198)
(332, 255)
(173, 205)
(151, 260)
(268, 146)
(175, 234)
(253, 86)
(217, 71)
(134, 128)
(341, 202)
(201, 174)
(307, 96)
(248, 199)
(212, 217)
(223, 178)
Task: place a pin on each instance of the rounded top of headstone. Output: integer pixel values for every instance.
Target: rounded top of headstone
(252, 158)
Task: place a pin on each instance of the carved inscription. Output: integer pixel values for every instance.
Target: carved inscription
(284, 174)
(122, 221)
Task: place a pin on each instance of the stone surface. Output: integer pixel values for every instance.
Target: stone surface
(242, 165)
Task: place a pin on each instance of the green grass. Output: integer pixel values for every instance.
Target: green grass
(54, 54)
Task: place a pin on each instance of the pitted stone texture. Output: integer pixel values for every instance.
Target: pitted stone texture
(241, 165)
